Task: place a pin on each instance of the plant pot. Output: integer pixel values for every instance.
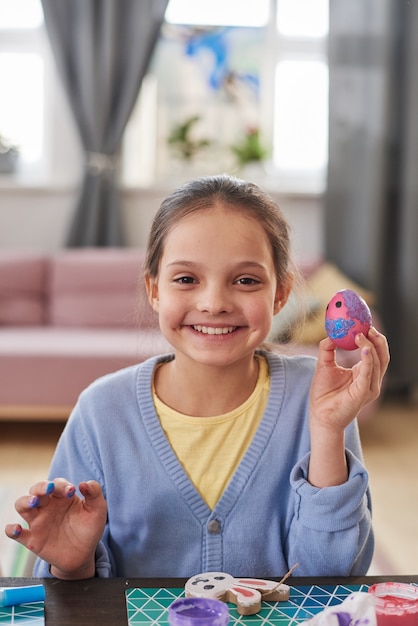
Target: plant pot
(8, 161)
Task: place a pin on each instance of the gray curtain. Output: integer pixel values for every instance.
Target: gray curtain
(371, 207)
(102, 49)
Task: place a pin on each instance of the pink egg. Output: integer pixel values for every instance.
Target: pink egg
(347, 314)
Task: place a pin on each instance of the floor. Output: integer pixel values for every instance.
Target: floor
(390, 443)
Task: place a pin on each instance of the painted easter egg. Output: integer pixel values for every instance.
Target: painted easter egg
(346, 315)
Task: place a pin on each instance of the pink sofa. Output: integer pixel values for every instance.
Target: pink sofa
(72, 316)
(65, 320)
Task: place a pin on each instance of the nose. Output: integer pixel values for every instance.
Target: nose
(214, 299)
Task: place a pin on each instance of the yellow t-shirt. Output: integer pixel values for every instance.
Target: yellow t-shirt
(211, 448)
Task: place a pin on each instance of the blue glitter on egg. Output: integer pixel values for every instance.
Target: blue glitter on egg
(339, 328)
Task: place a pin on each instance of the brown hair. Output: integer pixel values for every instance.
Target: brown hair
(204, 193)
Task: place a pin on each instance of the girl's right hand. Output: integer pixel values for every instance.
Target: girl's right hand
(63, 529)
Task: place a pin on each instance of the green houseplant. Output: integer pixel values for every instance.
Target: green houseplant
(181, 138)
(250, 148)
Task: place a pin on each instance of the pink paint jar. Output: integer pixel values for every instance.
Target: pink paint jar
(396, 604)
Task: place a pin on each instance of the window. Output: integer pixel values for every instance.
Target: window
(218, 12)
(233, 72)
(260, 68)
(34, 114)
(22, 78)
(300, 117)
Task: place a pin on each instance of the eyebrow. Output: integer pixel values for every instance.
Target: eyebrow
(180, 262)
(242, 264)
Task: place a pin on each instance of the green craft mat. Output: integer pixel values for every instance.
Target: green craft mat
(150, 606)
(31, 614)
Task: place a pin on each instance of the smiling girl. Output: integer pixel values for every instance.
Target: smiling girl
(223, 455)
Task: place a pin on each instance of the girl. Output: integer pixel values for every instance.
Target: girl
(222, 456)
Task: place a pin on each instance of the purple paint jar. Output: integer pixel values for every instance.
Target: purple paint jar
(198, 612)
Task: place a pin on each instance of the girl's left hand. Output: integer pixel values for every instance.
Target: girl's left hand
(338, 393)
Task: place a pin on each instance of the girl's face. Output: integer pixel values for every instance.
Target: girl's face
(216, 290)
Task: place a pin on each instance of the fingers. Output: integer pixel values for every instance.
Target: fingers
(94, 501)
(61, 527)
(30, 506)
(376, 345)
(380, 344)
(378, 341)
(59, 488)
(369, 371)
(40, 494)
(326, 352)
(14, 531)
(19, 534)
(91, 491)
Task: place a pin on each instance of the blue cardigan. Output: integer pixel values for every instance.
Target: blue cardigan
(268, 518)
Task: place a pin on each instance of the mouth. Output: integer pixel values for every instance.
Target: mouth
(214, 330)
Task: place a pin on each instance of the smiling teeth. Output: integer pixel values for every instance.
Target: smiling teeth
(210, 330)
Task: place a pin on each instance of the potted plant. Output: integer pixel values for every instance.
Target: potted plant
(250, 149)
(182, 140)
(9, 154)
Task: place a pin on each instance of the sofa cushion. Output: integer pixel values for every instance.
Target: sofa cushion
(102, 287)
(22, 288)
(51, 366)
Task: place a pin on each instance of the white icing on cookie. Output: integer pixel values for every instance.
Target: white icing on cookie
(246, 593)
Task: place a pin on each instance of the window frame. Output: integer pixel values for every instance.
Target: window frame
(62, 167)
(57, 167)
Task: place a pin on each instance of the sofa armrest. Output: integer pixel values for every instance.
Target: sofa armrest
(99, 288)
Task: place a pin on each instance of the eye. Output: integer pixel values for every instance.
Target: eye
(246, 280)
(184, 280)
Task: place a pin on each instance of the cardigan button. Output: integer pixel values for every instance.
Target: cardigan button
(214, 526)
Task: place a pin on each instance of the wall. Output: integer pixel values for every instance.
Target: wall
(38, 218)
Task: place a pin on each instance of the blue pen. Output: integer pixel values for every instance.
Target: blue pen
(10, 596)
